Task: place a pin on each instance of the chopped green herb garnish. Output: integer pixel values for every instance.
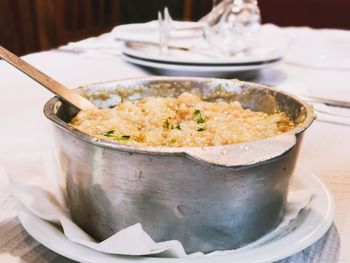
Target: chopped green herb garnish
(166, 124)
(124, 137)
(201, 129)
(173, 140)
(200, 116)
(115, 137)
(196, 112)
(108, 133)
(200, 119)
(178, 127)
(121, 138)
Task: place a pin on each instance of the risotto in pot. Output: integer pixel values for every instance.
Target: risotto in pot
(185, 121)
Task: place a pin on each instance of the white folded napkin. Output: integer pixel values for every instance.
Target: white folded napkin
(112, 43)
(149, 32)
(270, 42)
(38, 185)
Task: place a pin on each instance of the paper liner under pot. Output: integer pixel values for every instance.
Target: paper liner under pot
(208, 198)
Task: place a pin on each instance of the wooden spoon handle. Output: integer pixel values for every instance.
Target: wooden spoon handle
(49, 83)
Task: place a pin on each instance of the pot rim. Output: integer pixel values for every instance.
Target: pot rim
(161, 150)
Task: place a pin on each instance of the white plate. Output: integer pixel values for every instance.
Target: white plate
(315, 224)
(196, 70)
(199, 58)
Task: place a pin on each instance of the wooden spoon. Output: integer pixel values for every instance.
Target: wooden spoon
(49, 83)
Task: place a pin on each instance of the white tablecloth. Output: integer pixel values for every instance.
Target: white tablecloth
(23, 128)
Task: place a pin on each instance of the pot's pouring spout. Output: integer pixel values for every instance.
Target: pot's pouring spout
(245, 154)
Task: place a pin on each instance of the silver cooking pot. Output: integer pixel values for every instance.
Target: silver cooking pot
(208, 198)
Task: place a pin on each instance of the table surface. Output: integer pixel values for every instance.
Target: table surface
(325, 149)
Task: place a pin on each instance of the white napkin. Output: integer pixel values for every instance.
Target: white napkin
(37, 184)
(319, 48)
(104, 46)
(112, 43)
(150, 31)
(270, 42)
(8, 258)
(8, 208)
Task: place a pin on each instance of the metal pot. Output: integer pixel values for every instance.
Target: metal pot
(208, 198)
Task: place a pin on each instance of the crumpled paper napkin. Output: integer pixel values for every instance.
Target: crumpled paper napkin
(38, 184)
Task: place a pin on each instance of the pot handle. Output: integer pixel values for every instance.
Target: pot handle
(243, 154)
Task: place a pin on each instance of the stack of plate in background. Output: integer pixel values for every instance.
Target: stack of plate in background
(193, 56)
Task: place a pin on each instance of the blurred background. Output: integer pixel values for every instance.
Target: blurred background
(28, 26)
